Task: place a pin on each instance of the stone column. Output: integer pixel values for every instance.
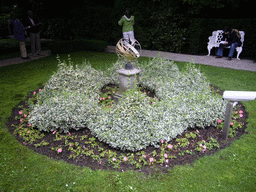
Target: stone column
(127, 79)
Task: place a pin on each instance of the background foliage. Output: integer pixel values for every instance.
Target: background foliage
(181, 26)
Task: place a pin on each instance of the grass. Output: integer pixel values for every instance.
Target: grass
(10, 48)
(232, 169)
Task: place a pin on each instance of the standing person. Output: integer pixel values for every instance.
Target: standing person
(19, 35)
(127, 21)
(230, 38)
(34, 33)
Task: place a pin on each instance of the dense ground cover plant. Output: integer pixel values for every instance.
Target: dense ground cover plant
(68, 96)
(71, 99)
(82, 148)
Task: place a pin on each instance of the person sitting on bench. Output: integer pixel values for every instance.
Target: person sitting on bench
(230, 38)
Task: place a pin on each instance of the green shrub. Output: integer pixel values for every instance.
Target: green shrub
(167, 32)
(70, 99)
(77, 45)
(68, 96)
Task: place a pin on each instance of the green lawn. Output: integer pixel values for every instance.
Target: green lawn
(10, 48)
(21, 169)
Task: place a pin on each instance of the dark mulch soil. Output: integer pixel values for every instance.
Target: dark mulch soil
(103, 164)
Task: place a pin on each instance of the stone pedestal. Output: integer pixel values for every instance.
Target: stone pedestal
(127, 79)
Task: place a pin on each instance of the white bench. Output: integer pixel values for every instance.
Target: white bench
(215, 39)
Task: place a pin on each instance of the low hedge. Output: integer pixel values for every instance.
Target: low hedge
(77, 45)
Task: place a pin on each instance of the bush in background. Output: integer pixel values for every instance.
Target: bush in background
(58, 47)
(167, 32)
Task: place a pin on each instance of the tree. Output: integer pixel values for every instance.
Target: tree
(217, 8)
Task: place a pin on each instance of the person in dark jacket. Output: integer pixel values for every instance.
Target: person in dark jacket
(34, 33)
(230, 38)
(19, 35)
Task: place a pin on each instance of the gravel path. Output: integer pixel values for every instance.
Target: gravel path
(18, 60)
(242, 64)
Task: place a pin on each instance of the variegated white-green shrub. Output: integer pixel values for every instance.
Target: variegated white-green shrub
(70, 99)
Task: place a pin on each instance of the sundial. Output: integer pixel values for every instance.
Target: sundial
(128, 51)
(128, 76)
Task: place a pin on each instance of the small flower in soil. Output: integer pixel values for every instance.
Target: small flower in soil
(241, 115)
(34, 92)
(170, 146)
(53, 132)
(59, 150)
(162, 141)
(144, 156)
(231, 123)
(29, 125)
(113, 159)
(125, 158)
(69, 134)
(241, 111)
(204, 149)
(167, 161)
(21, 120)
(40, 90)
(197, 131)
(219, 121)
(151, 160)
(165, 156)
(28, 132)
(25, 115)
(20, 112)
(236, 112)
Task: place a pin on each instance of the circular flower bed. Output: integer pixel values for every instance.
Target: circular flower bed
(71, 100)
